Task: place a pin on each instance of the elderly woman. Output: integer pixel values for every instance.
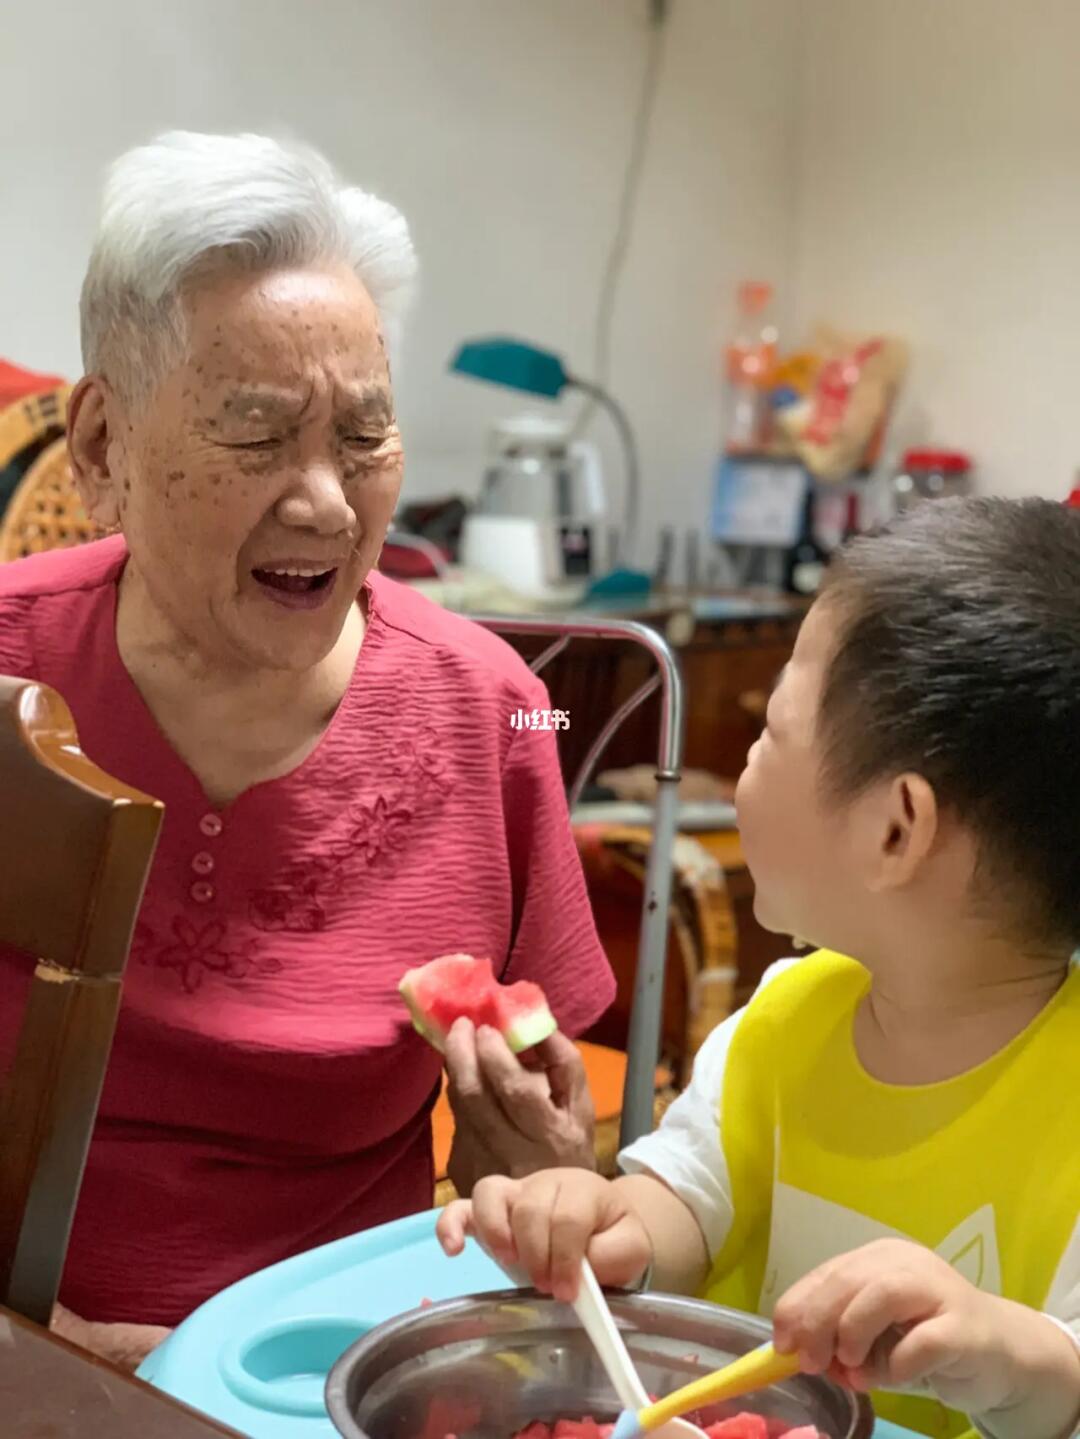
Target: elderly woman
(344, 794)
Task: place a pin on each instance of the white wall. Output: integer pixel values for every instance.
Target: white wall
(940, 197)
(499, 126)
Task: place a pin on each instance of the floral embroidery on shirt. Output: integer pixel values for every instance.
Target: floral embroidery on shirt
(371, 832)
(292, 904)
(199, 950)
(381, 828)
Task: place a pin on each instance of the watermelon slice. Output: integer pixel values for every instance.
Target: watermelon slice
(458, 986)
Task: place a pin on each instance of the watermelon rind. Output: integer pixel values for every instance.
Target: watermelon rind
(532, 1028)
(433, 1036)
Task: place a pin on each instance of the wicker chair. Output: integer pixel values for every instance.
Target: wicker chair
(45, 512)
(32, 420)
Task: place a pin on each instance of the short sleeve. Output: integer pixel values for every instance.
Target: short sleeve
(1072, 1328)
(687, 1151)
(16, 649)
(554, 940)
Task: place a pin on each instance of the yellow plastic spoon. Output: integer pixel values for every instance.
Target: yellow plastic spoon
(756, 1370)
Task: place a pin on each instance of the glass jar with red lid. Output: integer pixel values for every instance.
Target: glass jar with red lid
(931, 475)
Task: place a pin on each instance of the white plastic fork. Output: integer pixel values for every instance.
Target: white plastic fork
(599, 1324)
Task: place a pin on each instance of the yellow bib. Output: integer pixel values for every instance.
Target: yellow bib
(984, 1168)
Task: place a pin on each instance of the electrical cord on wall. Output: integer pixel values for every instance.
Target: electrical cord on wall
(620, 244)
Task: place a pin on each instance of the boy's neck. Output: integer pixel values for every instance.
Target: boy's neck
(942, 1006)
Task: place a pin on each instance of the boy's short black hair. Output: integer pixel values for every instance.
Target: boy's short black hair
(957, 656)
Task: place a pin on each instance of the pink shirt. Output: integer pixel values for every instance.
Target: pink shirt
(266, 1092)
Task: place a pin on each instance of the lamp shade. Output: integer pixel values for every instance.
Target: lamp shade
(513, 363)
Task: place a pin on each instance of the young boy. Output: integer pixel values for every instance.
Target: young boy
(882, 1152)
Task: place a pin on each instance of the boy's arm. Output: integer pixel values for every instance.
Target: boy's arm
(686, 1155)
(1049, 1400)
(680, 1256)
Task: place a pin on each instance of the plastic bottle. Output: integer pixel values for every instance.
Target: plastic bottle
(806, 561)
(751, 359)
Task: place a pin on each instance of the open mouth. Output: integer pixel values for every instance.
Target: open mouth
(295, 586)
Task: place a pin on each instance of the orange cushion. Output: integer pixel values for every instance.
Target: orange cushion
(605, 1070)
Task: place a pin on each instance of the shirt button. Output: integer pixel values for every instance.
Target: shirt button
(202, 863)
(211, 825)
(201, 892)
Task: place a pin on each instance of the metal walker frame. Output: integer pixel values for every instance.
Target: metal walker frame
(643, 1046)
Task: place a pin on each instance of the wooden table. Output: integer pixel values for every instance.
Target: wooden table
(49, 1389)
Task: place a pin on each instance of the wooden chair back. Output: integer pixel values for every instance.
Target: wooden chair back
(75, 850)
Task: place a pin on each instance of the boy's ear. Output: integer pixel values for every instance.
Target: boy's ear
(909, 826)
(89, 442)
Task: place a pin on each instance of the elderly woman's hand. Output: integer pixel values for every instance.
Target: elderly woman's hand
(514, 1115)
(125, 1345)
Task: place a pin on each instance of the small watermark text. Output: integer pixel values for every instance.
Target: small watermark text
(540, 719)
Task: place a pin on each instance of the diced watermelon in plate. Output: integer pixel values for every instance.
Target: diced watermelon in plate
(739, 1426)
(536, 1430)
(576, 1429)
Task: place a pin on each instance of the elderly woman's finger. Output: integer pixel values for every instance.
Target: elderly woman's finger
(470, 1098)
(523, 1096)
(562, 1062)
(460, 1055)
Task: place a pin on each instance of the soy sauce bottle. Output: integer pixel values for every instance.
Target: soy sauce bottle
(805, 562)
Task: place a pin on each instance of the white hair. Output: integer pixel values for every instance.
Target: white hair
(187, 203)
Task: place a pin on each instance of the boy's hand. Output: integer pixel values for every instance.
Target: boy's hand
(894, 1315)
(543, 1226)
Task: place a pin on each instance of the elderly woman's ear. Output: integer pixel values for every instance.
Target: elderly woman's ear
(93, 451)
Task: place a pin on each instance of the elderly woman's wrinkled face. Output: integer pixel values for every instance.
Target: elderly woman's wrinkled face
(256, 487)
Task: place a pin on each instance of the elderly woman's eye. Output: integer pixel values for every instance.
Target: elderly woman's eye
(366, 442)
(268, 444)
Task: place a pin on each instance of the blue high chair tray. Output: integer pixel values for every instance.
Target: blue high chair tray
(256, 1356)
